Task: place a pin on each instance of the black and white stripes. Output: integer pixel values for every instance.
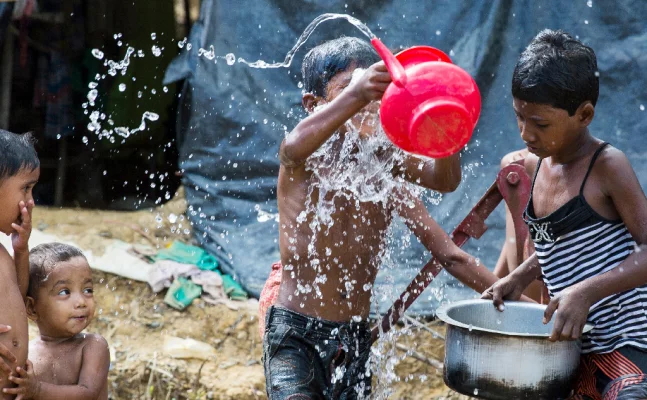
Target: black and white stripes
(618, 320)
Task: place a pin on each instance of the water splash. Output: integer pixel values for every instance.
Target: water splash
(98, 54)
(122, 65)
(304, 37)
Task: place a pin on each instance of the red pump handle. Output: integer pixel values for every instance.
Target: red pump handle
(398, 76)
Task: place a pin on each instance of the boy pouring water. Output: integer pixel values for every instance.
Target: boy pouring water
(335, 208)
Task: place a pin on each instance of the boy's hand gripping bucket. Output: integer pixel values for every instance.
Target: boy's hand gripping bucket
(432, 105)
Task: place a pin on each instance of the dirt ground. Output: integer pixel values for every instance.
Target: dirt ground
(135, 321)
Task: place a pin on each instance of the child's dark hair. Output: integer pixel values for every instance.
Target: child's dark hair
(16, 153)
(557, 70)
(324, 61)
(42, 260)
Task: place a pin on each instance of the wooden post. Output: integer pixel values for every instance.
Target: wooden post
(6, 70)
(61, 170)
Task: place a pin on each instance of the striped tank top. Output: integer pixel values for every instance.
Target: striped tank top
(575, 243)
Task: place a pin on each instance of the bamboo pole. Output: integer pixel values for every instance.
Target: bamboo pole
(6, 70)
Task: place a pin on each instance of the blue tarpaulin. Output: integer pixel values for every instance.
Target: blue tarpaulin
(233, 118)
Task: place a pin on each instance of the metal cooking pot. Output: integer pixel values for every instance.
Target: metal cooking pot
(506, 355)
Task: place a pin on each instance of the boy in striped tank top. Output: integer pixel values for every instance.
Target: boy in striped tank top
(587, 217)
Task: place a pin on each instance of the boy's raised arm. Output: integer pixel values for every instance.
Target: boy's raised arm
(315, 129)
(441, 174)
(92, 380)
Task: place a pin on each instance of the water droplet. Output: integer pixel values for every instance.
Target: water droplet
(586, 21)
(85, 140)
(589, 3)
(122, 87)
(153, 36)
(642, 107)
(92, 96)
(156, 51)
(476, 392)
(437, 33)
(231, 58)
(97, 54)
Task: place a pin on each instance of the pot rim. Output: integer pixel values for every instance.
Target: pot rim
(442, 314)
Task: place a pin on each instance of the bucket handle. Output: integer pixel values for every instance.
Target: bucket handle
(396, 70)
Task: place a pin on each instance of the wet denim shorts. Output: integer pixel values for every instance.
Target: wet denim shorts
(310, 358)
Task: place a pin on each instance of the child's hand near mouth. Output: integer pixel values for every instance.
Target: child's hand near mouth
(22, 230)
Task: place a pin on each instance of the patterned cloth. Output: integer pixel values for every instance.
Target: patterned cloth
(269, 295)
(618, 375)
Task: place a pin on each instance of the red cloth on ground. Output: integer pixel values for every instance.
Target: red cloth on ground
(269, 295)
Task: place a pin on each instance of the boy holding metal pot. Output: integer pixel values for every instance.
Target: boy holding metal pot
(587, 216)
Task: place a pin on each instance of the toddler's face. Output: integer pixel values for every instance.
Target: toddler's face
(13, 190)
(64, 304)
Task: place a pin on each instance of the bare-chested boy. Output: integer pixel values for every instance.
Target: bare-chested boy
(19, 172)
(317, 338)
(64, 362)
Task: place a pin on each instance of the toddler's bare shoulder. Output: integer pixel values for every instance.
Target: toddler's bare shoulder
(95, 339)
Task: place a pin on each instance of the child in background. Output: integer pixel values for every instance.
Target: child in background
(19, 173)
(64, 363)
(587, 215)
(509, 260)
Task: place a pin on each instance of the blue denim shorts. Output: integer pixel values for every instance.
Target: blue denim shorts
(311, 358)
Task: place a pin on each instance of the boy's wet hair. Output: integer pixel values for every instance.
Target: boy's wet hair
(557, 70)
(18, 153)
(42, 260)
(326, 60)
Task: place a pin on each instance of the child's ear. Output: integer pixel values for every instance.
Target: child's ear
(30, 304)
(585, 113)
(310, 101)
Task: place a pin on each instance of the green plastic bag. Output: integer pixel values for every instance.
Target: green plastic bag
(182, 293)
